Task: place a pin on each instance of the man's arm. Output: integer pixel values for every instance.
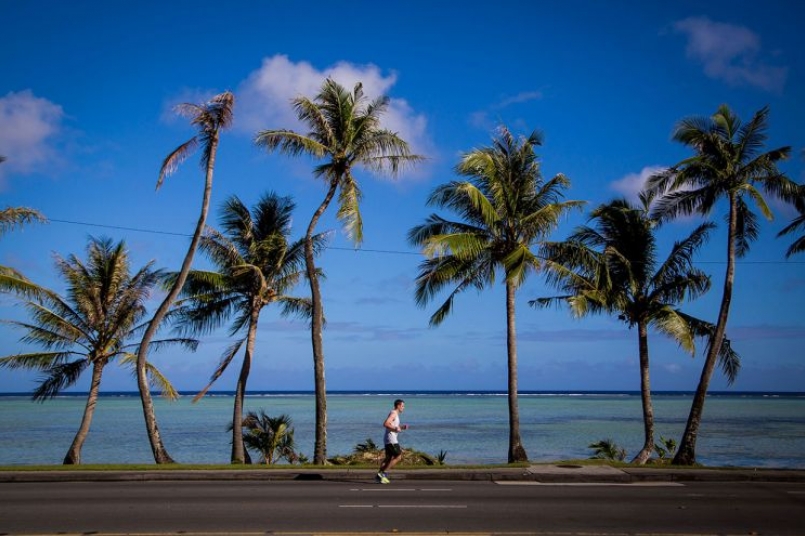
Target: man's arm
(389, 424)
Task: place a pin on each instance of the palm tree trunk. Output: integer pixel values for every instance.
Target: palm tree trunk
(73, 456)
(686, 455)
(645, 395)
(238, 451)
(316, 327)
(516, 451)
(157, 447)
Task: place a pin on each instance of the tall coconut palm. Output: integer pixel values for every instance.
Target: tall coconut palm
(209, 118)
(257, 266)
(345, 132)
(505, 208)
(728, 165)
(612, 267)
(89, 327)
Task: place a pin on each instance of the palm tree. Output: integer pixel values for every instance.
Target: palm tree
(607, 449)
(257, 267)
(728, 164)
(270, 436)
(612, 267)
(89, 327)
(344, 132)
(210, 118)
(505, 209)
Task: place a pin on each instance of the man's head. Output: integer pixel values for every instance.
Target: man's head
(399, 404)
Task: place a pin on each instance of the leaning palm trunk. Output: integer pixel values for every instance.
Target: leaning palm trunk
(73, 456)
(686, 455)
(157, 447)
(316, 327)
(645, 395)
(238, 451)
(516, 451)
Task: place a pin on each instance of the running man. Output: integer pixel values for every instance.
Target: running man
(393, 451)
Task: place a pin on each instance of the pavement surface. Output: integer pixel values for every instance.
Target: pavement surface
(553, 473)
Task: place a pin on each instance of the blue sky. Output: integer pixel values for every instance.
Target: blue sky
(86, 118)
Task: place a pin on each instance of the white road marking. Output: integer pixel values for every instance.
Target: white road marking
(430, 506)
(386, 490)
(422, 506)
(617, 484)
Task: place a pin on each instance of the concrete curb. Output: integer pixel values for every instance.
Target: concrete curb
(548, 473)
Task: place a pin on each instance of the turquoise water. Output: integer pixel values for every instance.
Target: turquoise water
(748, 430)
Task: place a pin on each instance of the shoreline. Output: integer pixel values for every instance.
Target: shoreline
(402, 392)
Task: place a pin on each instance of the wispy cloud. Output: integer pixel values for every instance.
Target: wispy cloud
(29, 126)
(731, 53)
(632, 184)
(575, 335)
(487, 120)
(765, 331)
(264, 97)
(523, 96)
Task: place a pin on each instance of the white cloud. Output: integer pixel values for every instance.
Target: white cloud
(29, 124)
(524, 96)
(264, 98)
(730, 53)
(632, 184)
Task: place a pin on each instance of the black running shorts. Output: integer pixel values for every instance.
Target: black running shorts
(393, 450)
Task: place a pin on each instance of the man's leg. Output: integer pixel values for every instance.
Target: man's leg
(393, 462)
(385, 464)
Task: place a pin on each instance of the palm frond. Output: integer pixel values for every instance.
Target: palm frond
(15, 282)
(13, 217)
(290, 143)
(175, 158)
(226, 359)
(155, 377)
(58, 378)
(349, 208)
(35, 360)
(675, 325)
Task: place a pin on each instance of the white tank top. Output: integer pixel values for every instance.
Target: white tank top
(390, 437)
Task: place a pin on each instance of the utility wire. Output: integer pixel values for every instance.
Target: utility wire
(170, 233)
(355, 250)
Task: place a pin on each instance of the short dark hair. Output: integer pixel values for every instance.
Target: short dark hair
(398, 402)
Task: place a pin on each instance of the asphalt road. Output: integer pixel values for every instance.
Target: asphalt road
(251, 507)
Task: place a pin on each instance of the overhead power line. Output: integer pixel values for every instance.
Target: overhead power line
(170, 233)
(355, 250)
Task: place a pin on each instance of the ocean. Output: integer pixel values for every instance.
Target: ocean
(739, 429)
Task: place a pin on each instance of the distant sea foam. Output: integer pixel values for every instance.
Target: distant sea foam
(747, 429)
